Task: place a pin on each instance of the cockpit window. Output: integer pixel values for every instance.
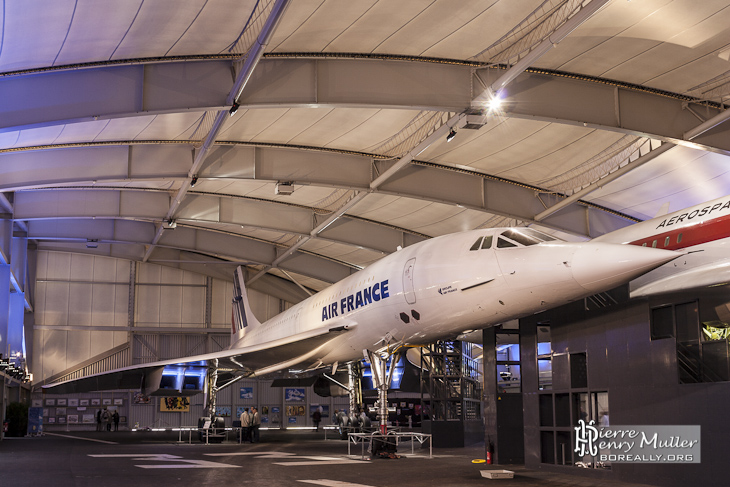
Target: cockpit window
(477, 244)
(525, 236)
(503, 243)
(487, 242)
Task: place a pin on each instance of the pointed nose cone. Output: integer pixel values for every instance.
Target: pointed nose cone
(598, 267)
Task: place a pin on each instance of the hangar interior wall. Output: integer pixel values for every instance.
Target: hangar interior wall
(86, 305)
(635, 377)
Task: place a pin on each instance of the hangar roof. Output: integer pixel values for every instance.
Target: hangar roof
(116, 125)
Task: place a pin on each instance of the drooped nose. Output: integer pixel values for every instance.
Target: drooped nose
(600, 266)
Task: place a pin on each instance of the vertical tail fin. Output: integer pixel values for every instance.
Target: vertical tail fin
(242, 315)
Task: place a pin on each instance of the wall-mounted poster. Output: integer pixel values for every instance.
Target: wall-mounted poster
(52, 419)
(60, 411)
(246, 392)
(83, 402)
(37, 403)
(35, 420)
(45, 412)
(295, 410)
(239, 411)
(265, 410)
(73, 402)
(96, 402)
(61, 402)
(88, 419)
(223, 411)
(72, 418)
(140, 398)
(294, 394)
(61, 419)
(275, 409)
(118, 402)
(106, 402)
(50, 402)
(175, 404)
(292, 420)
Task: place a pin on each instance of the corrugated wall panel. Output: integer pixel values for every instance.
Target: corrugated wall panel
(55, 305)
(221, 306)
(192, 306)
(220, 342)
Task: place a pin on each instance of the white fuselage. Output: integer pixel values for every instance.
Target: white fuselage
(701, 232)
(441, 287)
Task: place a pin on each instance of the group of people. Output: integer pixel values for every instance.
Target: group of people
(250, 424)
(106, 417)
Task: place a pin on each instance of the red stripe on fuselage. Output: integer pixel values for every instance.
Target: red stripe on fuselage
(691, 235)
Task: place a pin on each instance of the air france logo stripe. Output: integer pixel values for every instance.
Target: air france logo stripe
(361, 298)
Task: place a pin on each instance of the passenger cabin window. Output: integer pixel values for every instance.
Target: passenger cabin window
(666, 241)
(679, 238)
(477, 244)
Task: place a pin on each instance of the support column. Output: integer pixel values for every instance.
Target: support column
(489, 398)
(211, 389)
(354, 391)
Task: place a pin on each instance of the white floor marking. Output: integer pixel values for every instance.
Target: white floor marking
(333, 483)
(164, 457)
(310, 460)
(191, 464)
(258, 454)
(317, 462)
(82, 438)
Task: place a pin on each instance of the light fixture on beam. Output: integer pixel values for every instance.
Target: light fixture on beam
(452, 134)
(169, 224)
(193, 181)
(284, 188)
(234, 109)
(92, 243)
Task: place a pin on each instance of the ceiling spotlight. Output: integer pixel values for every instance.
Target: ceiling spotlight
(92, 243)
(169, 224)
(233, 109)
(193, 181)
(451, 135)
(495, 103)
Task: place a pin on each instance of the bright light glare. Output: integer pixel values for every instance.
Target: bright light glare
(495, 103)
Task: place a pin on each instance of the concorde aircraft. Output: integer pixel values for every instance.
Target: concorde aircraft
(701, 231)
(428, 291)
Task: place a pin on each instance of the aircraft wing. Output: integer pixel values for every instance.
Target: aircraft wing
(710, 274)
(256, 360)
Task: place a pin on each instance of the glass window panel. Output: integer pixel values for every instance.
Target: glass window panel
(662, 323)
(508, 378)
(504, 244)
(487, 242)
(687, 321)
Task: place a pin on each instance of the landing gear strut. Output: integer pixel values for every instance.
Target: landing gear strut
(382, 378)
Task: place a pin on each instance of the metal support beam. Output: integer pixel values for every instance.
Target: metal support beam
(242, 78)
(540, 50)
(603, 181)
(708, 125)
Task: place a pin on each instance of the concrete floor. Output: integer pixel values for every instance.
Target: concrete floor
(140, 459)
